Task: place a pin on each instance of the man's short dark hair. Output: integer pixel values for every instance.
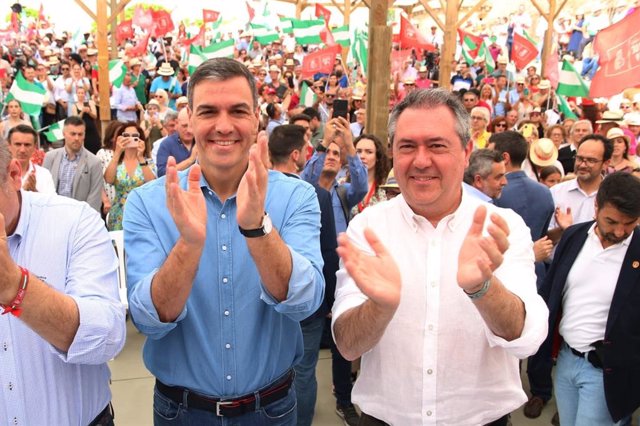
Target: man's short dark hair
(271, 110)
(22, 128)
(608, 145)
(221, 69)
(512, 143)
(312, 113)
(622, 191)
(481, 164)
(73, 120)
(284, 140)
(299, 117)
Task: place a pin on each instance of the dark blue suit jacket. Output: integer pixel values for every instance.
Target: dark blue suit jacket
(534, 203)
(621, 349)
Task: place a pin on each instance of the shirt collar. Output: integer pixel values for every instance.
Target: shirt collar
(452, 221)
(78, 155)
(592, 234)
(23, 219)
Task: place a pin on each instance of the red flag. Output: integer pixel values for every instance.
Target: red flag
(551, 67)
(143, 18)
(323, 12)
(326, 36)
(3, 73)
(618, 47)
(209, 15)
(411, 37)
(15, 22)
(250, 10)
(140, 49)
(398, 57)
(321, 61)
(198, 39)
(42, 20)
(522, 51)
(162, 21)
(469, 39)
(124, 30)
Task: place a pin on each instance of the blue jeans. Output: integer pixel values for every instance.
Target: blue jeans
(579, 389)
(305, 381)
(167, 412)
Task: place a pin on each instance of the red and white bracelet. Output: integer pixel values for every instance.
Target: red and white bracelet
(14, 308)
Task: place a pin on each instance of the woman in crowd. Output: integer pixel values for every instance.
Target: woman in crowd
(577, 34)
(151, 123)
(129, 168)
(86, 109)
(486, 97)
(163, 101)
(497, 125)
(373, 154)
(557, 134)
(74, 82)
(105, 155)
(620, 161)
(13, 118)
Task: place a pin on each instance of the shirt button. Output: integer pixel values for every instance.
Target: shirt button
(430, 327)
(429, 413)
(224, 216)
(225, 280)
(210, 192)
(429, 371)
(10, 386)
(224, 247)
(228, 377)
(226, 313)
(228, 346)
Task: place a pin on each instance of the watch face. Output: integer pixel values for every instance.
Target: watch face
(267, 225)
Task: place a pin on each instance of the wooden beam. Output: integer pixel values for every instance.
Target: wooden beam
(346, 14)
(356, 3)
(537, 6)
(118, 10)
(87, 10)
(433, 15)
(470, 13)
(557, 12)
(449, 44)
(379, 67)
(299, 8)
(547, 48)
(103, 62)
(337, 6)
(113, 23)
(367, 3)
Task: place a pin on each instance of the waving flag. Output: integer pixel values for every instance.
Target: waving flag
(117, 70)
(163, 23)
(410, 37)
(341, 35)
(359, 50)
(30, 95)
(209, 15)
(250, 10)
(143, 18)
(470, 45)
(523, 51)
(307, 32)
(323, 12)
(321, 61)
(570, 83)
(485, 54)
(54, 133)
(264, 35)
(124, 31)
(307, 96)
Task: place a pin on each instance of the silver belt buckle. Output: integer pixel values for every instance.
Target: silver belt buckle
(220, 404)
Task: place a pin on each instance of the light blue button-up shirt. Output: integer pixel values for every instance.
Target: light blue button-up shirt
(64, 243)
(232, 337)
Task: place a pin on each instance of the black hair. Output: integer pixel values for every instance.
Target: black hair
(608, 145)
(512, 143)
(284, 140)
(622, 191)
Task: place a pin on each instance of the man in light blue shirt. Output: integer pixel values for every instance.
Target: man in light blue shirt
(64, 320)
(223, 262)
(125, 101)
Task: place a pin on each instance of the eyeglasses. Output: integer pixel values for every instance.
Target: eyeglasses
(131, 135)
(65, 68)
(475, 117)
(625, 106)
(330, 96)
(590, 161)
(520, 84)
(501, 125)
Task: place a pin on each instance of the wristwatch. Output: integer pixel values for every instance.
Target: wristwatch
(265, 229)
(145, 163)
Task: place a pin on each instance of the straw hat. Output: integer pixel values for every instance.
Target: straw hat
(153, 102)
(391, 181)
(617, 132)
(543, 152)
(165, 70)
(544, 84)
(182, 100)
(633, 119)
(611, 117)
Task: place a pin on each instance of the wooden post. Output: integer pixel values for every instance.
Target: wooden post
(379, 68)
(114, 24)
(103, 62)
(300, 5)
(448, 53)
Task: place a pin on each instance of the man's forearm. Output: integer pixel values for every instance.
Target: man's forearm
(273, 260)
(359, 329)
(172, 284)
(502, 311)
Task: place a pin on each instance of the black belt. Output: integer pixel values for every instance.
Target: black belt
(228, 407)
(591, 356)
(104, 418)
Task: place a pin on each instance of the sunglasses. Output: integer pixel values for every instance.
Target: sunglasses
(131, 135)
(330, 96)
(65, 68)
(501, 125)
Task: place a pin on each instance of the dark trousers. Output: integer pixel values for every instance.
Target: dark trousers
(105, 418)
(539, 374)
(367, 420)
(341, 369)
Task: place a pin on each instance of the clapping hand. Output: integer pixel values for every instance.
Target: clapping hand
(252, 190)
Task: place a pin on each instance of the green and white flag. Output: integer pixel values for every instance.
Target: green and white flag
(264, 35)
(30, 95)
(485, 54)
(341, 35)
(570, 83)
(197, 55)
(54, 133)
(307, 95)
(528, 37)
(195, 59)
(285, 25)
(117, 70)
(307, 32)
(565, 109)
(358, 51)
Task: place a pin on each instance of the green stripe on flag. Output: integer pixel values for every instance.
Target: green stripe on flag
(222, 49)
(117, 70)
(54, 133)
(307, 32)
(359, 50)
(264, 35)
(307, 95)
(30, 95)
(528, 37)
(485, 54)
(285, 25)
(341, 35)
(195, 59)
(564, 108)
(570, 83)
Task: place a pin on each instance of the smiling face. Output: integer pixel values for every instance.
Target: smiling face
(429, 161)
(224, 121)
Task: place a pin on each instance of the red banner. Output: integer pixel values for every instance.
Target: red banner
(198, 39)
(398, 58)
(163, 23)
(140, 49)
(618, 47)
(124, 31)
(250, 10)
(321, 61)
(209, 15)
(522, 51)
(410, 37)
(323, 12)
(143, 18)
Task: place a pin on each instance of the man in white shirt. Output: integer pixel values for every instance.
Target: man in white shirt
(125, 101)
(440, 341)
(22, 144)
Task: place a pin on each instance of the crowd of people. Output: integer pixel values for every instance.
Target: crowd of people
(262, 222)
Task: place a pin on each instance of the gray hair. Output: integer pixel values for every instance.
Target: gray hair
(431, 99)
(170, 115)
(221, 69)
(5, 159)
(573, 126)
(481, 164)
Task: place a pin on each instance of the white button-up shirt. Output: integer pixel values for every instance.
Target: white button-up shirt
(438, 362)
(44, 180)
(569, 194)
